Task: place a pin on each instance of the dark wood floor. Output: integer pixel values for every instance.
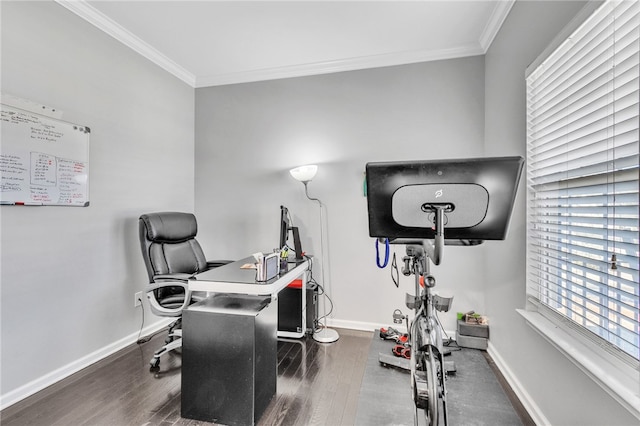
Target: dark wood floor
(318, 384)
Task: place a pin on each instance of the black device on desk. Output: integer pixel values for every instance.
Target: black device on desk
(290, 309)
(285, 227)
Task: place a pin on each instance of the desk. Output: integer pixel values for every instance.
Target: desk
(232, 279)
(229, 358)
(229, 343)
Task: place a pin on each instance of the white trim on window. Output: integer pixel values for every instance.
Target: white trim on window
(618, 379)
(583, 131)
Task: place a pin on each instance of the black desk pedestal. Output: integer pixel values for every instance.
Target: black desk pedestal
(229, 358)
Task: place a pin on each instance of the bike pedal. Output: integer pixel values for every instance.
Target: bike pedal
(402, 351)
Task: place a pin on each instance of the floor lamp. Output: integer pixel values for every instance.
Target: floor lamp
(305, 174)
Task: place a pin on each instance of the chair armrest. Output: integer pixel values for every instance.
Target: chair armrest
(172, 277)
(173, 280)
(168, 283)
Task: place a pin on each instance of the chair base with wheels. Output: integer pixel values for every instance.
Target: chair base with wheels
(172, 341)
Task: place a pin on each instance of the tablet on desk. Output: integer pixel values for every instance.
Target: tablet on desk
(268, 267)
(272, 263)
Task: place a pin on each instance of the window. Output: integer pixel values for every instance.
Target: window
(582, 178)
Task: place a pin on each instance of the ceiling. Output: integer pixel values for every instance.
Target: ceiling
(209, 43)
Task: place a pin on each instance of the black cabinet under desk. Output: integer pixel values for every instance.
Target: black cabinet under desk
(229, 358)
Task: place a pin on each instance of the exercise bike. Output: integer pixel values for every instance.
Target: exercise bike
(412, 203)
(426, 363)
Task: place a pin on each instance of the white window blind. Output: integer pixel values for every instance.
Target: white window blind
(582, 170)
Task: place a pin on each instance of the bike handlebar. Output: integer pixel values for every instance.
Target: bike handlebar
(434, 249)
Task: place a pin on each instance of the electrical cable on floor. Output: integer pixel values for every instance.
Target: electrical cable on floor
(321, 292)
(324, 293)
(145, 339)
(148, 337)
(138, 341)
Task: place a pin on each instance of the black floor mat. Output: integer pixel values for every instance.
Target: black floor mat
(474, 395)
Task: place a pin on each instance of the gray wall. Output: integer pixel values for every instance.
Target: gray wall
(249, 135)
(69, 274)
(563, 394)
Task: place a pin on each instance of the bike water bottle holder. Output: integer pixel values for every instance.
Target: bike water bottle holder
(442, 304)
(412, 302)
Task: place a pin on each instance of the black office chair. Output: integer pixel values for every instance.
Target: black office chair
(172, 255)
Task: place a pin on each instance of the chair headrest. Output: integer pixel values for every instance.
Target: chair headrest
(166, 227)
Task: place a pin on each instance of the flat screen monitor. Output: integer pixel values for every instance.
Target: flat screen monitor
(285, 227)
(285, 224)
(477, 195)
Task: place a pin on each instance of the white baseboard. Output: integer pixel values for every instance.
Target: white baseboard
(370, 326)
(526, 400)
(24, 391)
(353, 325)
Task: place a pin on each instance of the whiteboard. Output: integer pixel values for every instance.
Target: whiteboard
(43, 161)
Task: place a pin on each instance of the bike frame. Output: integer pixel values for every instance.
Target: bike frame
(425, 335)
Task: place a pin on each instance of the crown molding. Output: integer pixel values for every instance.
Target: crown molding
(341, 65)
(87, 12)
(107, 25)
(499, 14)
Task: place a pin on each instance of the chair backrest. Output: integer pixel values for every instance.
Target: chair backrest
(168, 244)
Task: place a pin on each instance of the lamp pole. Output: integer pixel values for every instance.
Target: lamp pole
(305, 174)
(324, 334)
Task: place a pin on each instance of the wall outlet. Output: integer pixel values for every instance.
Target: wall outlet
(137, 299)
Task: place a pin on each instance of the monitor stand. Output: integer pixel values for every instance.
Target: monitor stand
(297, 247)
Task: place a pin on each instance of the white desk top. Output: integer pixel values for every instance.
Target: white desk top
(231, 278)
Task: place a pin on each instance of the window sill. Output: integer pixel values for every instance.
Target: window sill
(618, 379)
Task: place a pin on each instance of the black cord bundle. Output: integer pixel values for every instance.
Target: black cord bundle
(321, 292)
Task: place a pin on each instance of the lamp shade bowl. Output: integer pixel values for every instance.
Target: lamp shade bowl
(304, 173)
